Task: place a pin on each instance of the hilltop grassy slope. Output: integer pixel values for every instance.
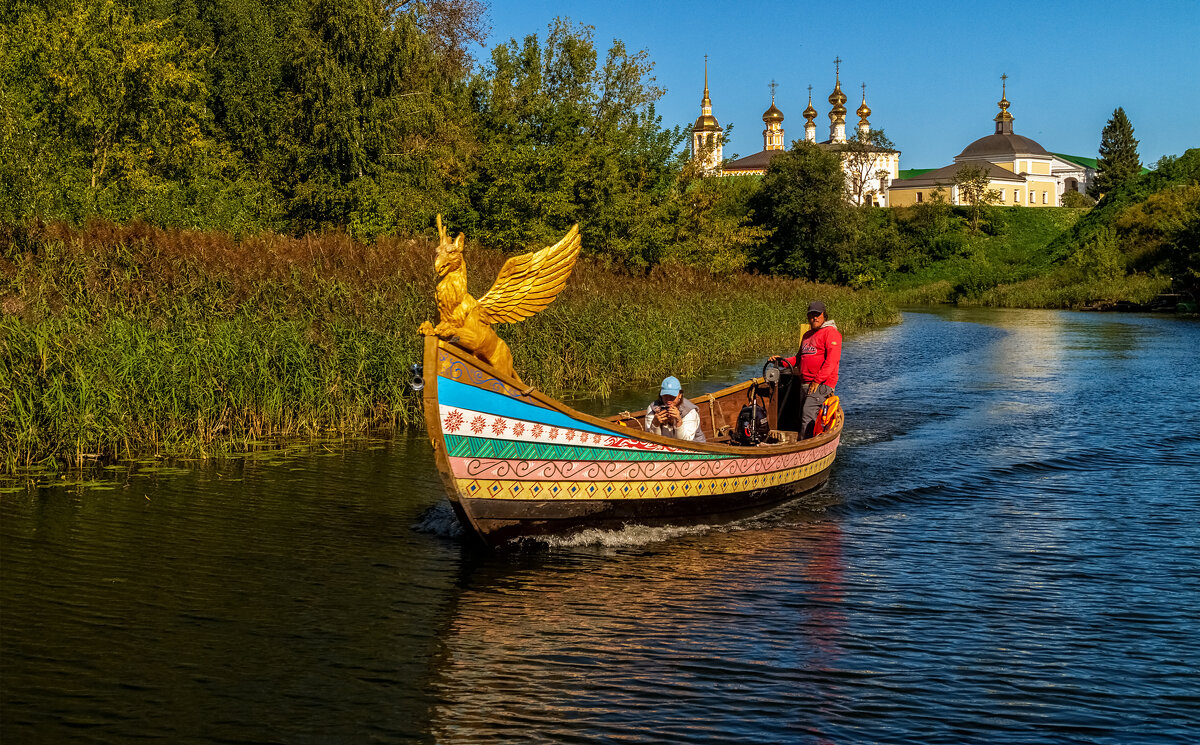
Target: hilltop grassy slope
(1014, 248)
(1140, 241)
(127, 340)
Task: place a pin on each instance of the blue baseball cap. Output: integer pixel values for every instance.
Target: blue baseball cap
(670, 386)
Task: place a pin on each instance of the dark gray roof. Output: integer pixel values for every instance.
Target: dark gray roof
(758, 161)
(1002, 144)
(944, 176)
(841, 146)
(763, 158)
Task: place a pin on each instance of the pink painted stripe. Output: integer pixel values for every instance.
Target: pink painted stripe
(569, 470)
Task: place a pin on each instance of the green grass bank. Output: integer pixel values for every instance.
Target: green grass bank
(1016, 263)
(121, 341)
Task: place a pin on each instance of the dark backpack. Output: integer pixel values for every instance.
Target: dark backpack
(752, 425)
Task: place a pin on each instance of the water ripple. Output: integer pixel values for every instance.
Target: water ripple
(1003, 554)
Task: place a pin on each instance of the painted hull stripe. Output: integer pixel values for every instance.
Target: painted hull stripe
(591, 490)
(518, 450)
(463, 396)
(479, 425)
(627, 470)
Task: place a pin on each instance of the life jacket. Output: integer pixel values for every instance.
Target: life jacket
(830, 411)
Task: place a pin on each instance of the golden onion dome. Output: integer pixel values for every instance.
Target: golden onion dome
(810, 113)
(864, 111)
(838, 99)
(772, 114)
(706, 123)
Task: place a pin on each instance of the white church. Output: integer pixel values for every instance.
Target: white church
(868, 170)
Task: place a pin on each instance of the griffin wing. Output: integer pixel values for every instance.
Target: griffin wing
(530, 282)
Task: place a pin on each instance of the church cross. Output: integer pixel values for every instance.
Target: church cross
(773, 86)
(837, 65)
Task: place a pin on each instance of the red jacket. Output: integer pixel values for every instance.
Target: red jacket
(820, 352)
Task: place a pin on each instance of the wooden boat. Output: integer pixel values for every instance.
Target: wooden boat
(517, 463)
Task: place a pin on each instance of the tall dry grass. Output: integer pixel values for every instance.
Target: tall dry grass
(121, 340)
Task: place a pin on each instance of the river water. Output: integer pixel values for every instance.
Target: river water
(1008, 551)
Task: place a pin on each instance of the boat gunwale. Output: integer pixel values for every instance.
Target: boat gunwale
(433, 414)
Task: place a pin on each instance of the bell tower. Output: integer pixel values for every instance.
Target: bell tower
(707, 133)
(863, 112)
(837, 115)
(810, 115)
(1004, 119)
(773, 119)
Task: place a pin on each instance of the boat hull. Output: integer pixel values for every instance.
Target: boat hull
(504, 521)
(517, 463)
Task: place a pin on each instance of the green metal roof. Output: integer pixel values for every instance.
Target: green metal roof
(1078, 160)
(1087, 162)
(911, 172)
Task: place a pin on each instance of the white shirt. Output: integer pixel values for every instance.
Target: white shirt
(685, 431)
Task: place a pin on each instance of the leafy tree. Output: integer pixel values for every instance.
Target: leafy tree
(802, 202)
(712, 222)
(1119, 162)
(377, 134)
(1149, 231)
(1183, 258)
(450, 25)
(564, 139)
(118, 102)
(1077, 199)
(972, 183)
(1099, 258)
(862, 157)
(925, 222)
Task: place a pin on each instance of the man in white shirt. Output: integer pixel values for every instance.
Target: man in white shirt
(672, 415)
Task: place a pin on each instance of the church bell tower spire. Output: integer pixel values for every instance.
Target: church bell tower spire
(863, 112)
(837, 115)
(810, 126)
(1004, 119)
(773, 119)
(707, 134)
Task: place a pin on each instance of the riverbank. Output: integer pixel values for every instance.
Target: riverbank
(132, 340)
(1017, 266)
(1138, 248)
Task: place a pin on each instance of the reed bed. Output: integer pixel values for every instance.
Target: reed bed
(128, 340)
(1062, 290)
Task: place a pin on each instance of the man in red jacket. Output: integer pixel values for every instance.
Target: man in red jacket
(820, 352)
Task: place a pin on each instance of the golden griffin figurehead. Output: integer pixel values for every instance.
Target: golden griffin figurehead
(525, 286)
(449, 252)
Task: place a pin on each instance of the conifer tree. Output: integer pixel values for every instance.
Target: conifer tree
(1119, 162)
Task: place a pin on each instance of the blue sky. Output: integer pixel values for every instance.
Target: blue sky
(932, 69)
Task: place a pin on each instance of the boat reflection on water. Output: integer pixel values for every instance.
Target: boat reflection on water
(587, 639)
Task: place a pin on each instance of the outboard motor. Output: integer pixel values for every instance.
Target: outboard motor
(752, 425)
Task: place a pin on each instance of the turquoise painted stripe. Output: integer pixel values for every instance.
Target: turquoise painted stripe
(454, 393)
(481, 447)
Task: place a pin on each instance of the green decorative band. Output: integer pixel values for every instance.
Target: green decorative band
(459, 446)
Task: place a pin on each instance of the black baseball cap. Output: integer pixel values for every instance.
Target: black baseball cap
(816, 306)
